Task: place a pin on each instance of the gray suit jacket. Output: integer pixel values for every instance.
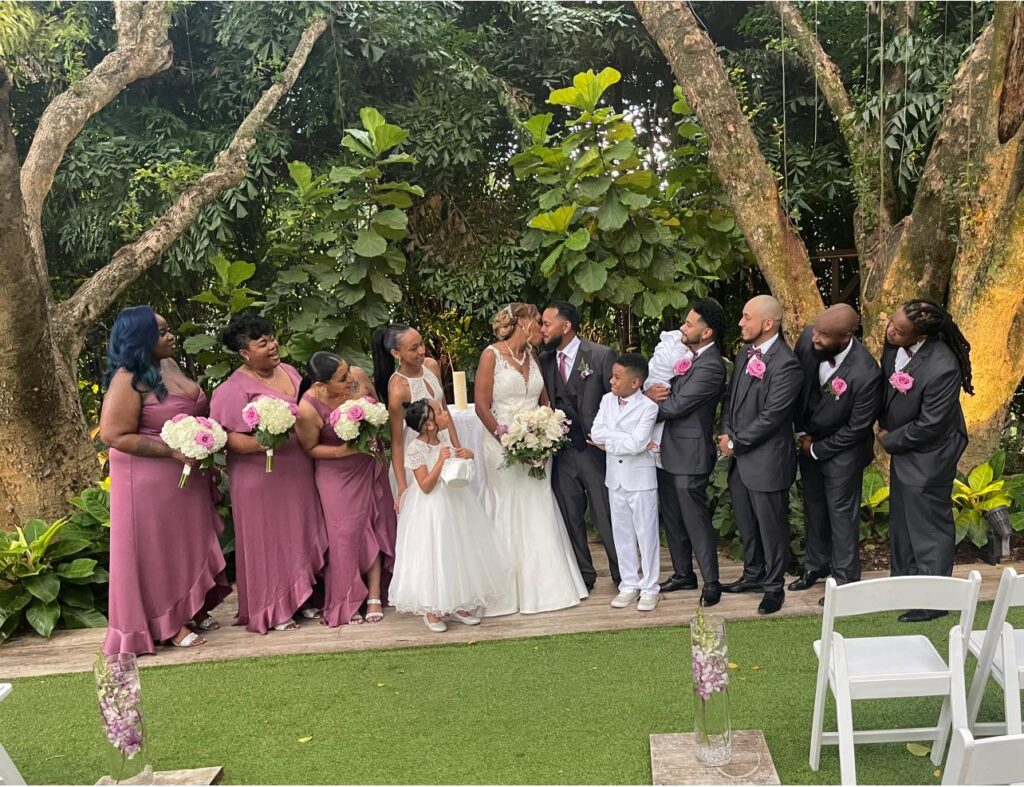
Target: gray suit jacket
(758, 416)
(843, 428)
(927, 434)
(588, 381)
(687, 446)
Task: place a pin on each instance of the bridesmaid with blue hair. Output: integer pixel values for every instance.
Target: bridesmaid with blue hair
(166, 565)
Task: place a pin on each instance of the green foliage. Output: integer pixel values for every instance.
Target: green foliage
(605, 227)
(337, 243)
(874, 506)
(47, 571)
(983, 490)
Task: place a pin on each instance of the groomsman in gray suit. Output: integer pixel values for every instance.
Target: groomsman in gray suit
(841, 398)
(926, 363)
(757, 432)
(577, 374)
(688, 454)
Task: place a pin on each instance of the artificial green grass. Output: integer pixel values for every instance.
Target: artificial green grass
(572, 708)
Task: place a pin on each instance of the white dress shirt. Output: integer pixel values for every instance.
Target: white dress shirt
(827, 369)
(903, 357)
(569, 352)
(767, 345)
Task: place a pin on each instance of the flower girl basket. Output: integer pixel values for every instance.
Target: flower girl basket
(457, 472)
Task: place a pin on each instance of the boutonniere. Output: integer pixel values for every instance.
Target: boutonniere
(585, 370)
(756, 368)
(682, 366)
(901, 381)
(835, 387)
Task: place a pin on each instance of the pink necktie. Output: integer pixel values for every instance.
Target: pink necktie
(622, 402)
(562, 371)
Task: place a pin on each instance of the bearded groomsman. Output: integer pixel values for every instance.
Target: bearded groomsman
(841, 398)
(757, 432)
(577, 374)
(688, 410)
(926, 363)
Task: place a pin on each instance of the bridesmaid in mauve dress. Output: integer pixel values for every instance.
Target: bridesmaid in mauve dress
(355, 493)
(166, 566)
(280, 539)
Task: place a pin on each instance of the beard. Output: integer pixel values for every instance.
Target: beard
(824, 354)
(551, 344)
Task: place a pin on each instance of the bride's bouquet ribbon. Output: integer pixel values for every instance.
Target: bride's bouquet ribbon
(534, 436)
(272, 420)
(364, 423)
(195, 436)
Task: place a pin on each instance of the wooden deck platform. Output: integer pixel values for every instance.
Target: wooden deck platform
(74, 651)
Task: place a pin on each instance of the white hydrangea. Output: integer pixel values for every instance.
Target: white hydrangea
(196, 437)
(276, 416)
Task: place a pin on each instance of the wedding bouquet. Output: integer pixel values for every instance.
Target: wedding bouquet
(363, 421)
(533, 437)
(273, 419)
(197, 438)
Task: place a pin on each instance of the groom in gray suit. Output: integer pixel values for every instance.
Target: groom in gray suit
(577, 374)
(757, 432)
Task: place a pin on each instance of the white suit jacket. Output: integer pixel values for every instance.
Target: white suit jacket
(624, 431)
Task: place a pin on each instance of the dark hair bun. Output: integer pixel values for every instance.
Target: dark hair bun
(405, 405)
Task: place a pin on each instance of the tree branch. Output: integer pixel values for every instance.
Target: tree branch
(143, 49)
(734, 153)
(79, 311)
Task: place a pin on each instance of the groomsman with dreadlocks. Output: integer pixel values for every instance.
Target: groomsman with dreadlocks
(926, 363)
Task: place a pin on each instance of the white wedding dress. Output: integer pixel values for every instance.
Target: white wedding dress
(524, 512)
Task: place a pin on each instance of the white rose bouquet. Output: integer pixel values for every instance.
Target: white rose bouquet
(533, 437)
(197, 438)
(273, 421)
(363, 421)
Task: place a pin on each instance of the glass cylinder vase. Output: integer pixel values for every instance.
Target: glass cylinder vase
(712, 725)
(119, 690)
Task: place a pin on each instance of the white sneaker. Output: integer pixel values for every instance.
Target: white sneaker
(625, 598)
(648, 602)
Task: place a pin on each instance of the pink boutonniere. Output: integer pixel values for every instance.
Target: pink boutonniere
(901, 381)
(682, 366)
(756, 368)
(585, 370)
(836, 387)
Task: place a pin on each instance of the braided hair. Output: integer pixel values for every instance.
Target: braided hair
(930, 319)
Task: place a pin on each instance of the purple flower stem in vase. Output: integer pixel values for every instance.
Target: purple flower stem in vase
(710, 659)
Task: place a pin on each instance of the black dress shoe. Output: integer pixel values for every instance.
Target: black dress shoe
(806, 581)
(590, 586)
(821, 601)
(742, 586)
(772, 602)
(922, 615)
(711, 594)
(676, 582)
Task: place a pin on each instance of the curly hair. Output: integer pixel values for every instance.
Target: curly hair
(504, 322)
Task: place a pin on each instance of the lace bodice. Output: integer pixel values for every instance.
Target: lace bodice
(512, 393)
(426, 386)
(418, 453)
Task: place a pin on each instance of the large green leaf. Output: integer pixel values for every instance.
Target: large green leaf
(44, 587)
(579, 240)
(594, 188)
(77, 569)
(75, 618)
(612, 214)
(80, 596)
(556, 220)
(998, 463)
(199, 342)
(643, 179)
(538, 127)
(43, 616)
(66, 546)
(369, 244)
(591, 276)
(980, 477)
(13, 599)
(547, 267)
(386, 288)
(393, 218)
(301, 174)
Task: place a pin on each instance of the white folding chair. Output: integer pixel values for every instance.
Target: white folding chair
(8, 773)
(997, 760)
(1000, 653)
(865, 668)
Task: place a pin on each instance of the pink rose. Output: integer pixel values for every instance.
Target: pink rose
(901, 381)
(293, 408)
(682, 366)
(205, 439)
(355, 413)
(370, 399)
(251, 417)
(501, 430)
(333, 418)
(756, 368)
(203, 421)
(179, 417)
(838, 386)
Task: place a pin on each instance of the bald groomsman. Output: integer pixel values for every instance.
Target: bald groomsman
(757, 432)
(841, 398)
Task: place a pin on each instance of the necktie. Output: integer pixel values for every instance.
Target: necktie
(622, 402)
(753, 352)
(832, 362)
(563, 370)
(909, 352)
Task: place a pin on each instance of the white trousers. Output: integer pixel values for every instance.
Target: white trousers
(635, 525)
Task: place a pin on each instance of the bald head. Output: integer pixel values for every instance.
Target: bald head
(833, 330)
(762, 319)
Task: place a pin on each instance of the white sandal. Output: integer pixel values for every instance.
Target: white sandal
(309, 613)
(288, 625)
(190, 640)
(374, 617)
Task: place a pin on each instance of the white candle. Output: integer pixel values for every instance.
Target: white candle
(459, 390)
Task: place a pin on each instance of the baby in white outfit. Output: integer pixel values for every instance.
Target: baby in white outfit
(661, 370)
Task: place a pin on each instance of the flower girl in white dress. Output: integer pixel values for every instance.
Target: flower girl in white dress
(448, 562)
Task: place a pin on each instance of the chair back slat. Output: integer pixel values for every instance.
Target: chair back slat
(1014, 587)
(892, 593)
(998, 760)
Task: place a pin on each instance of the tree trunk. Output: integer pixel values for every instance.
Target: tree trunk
(781, 254)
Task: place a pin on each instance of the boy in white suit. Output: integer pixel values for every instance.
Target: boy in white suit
(623, 428)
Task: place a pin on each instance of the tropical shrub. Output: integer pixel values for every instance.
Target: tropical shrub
(984, 489)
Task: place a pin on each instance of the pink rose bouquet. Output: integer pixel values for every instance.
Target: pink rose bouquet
(364, 422)
(273, 420)
(196, 437)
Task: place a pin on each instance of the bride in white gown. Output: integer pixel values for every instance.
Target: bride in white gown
(545, 575)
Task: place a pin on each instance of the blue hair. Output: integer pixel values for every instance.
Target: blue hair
(130, 347)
